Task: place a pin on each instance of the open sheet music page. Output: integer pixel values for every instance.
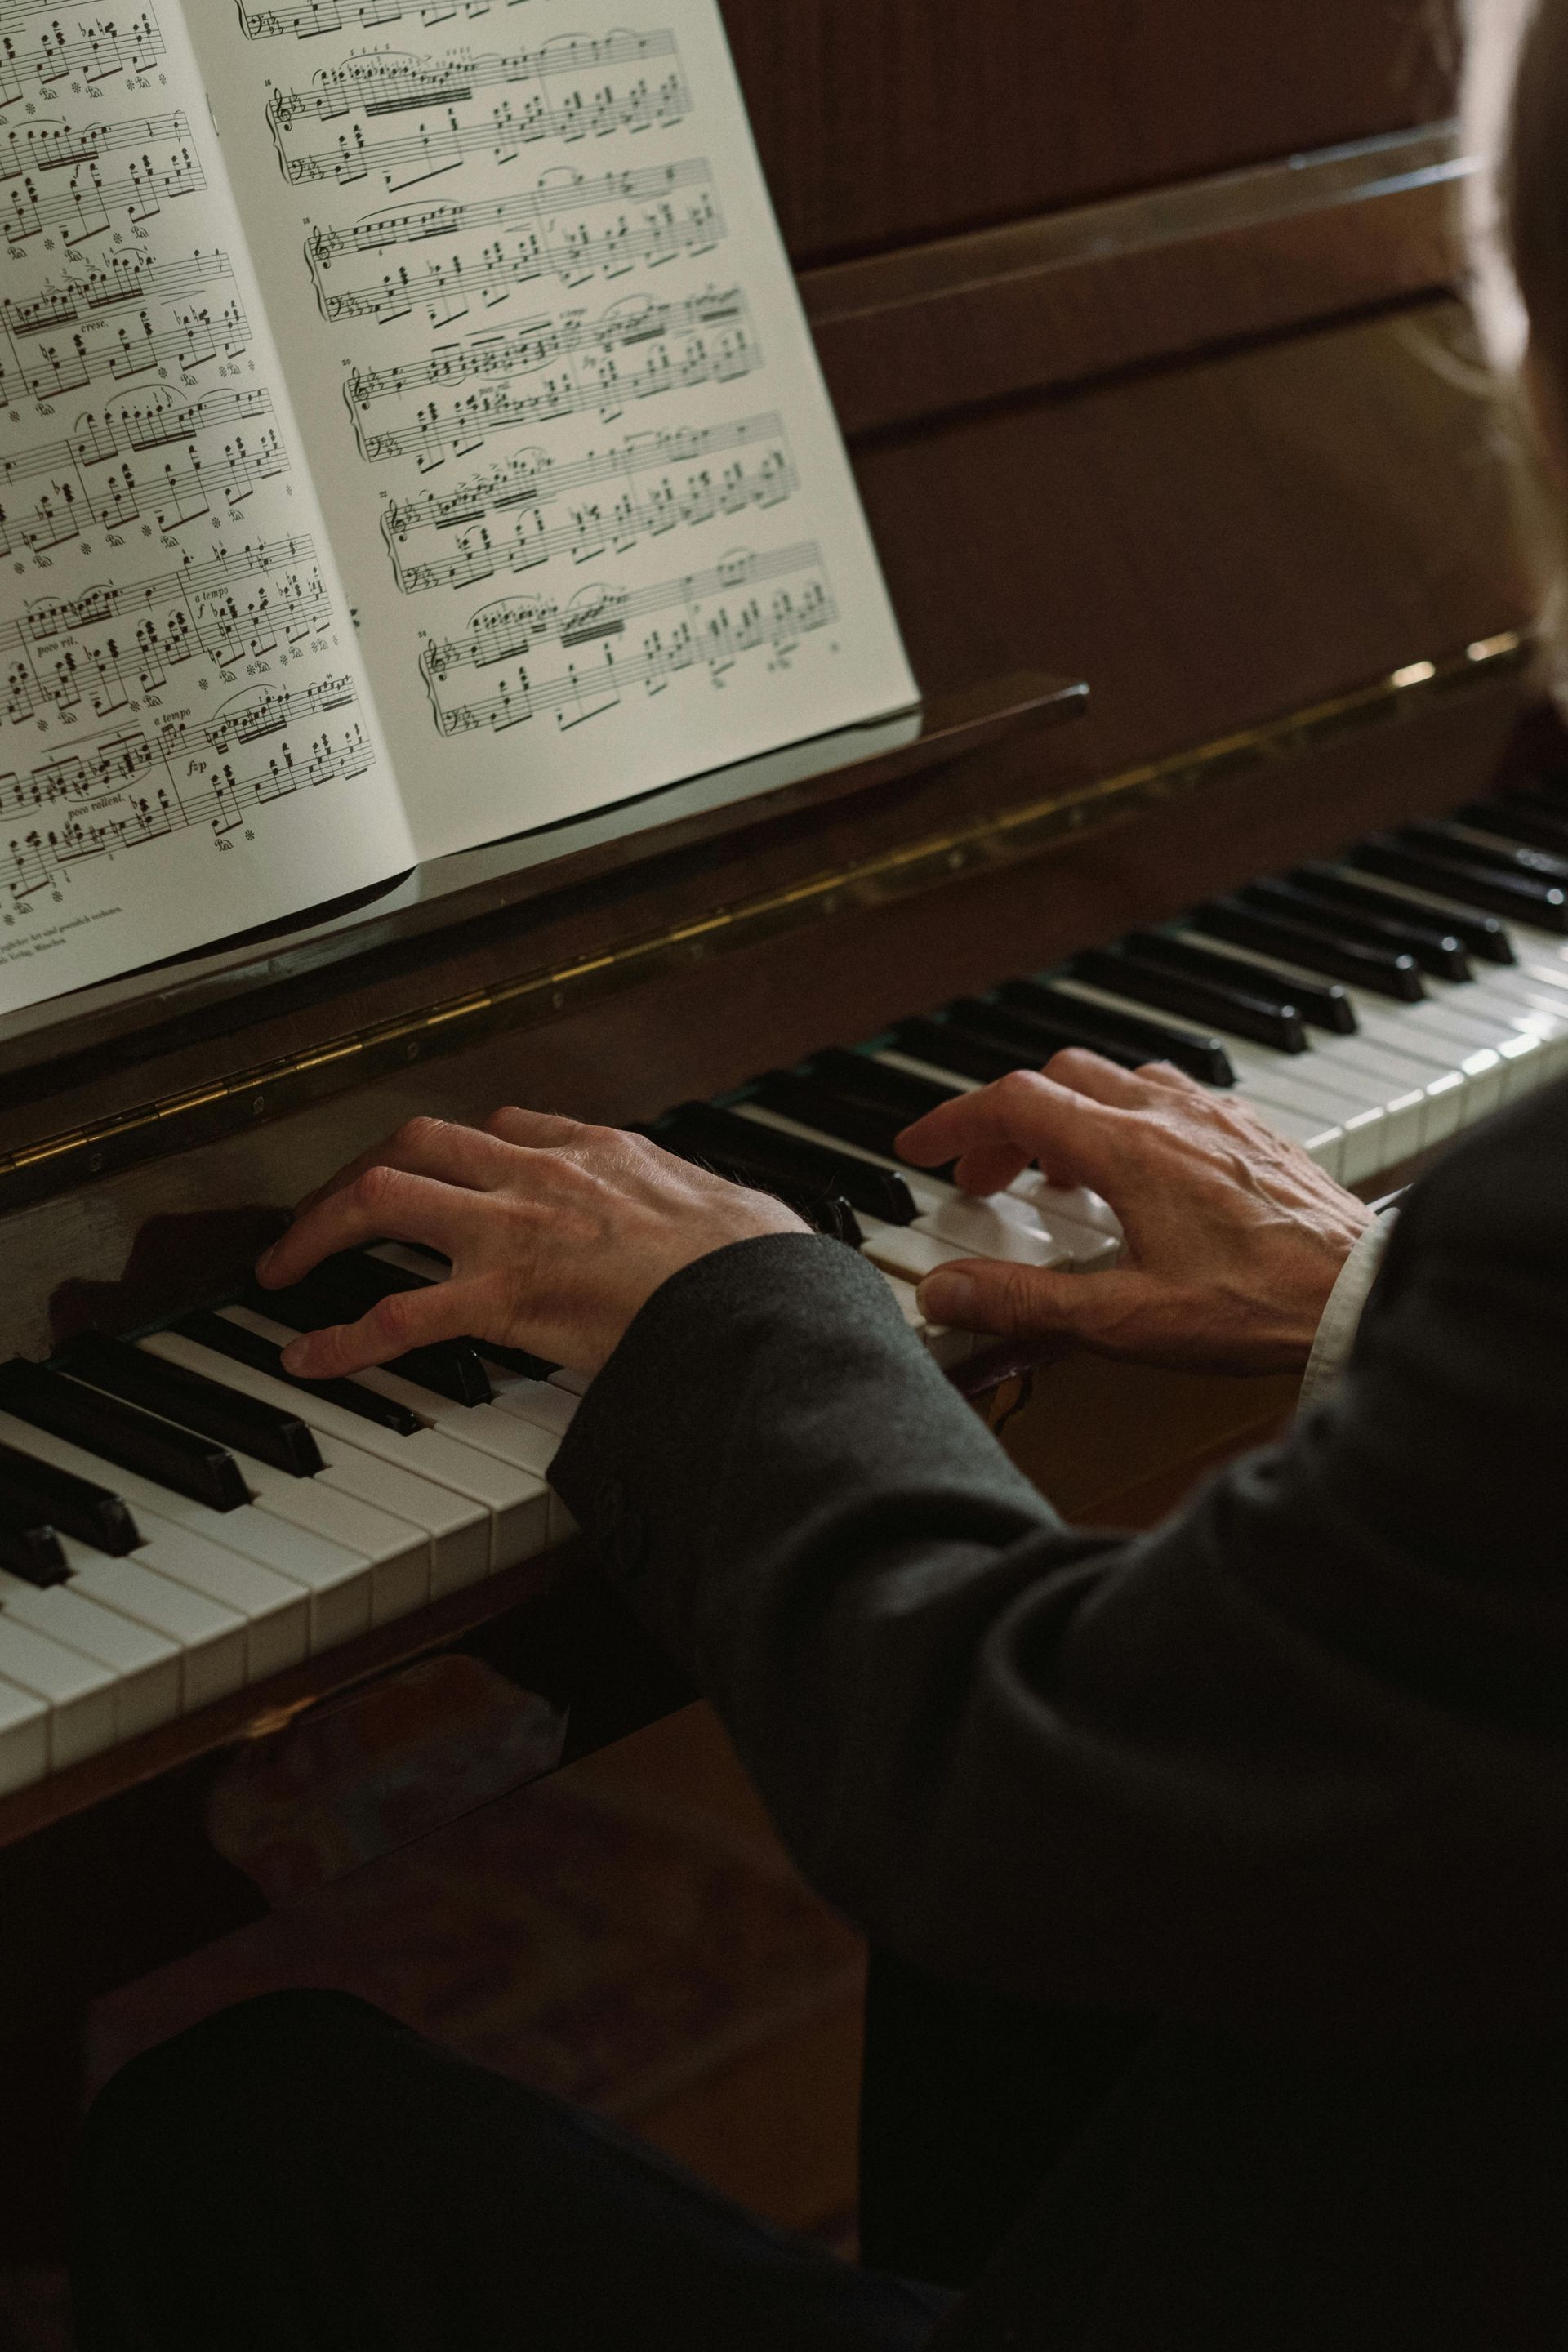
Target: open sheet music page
(582, 476)
(186, 747)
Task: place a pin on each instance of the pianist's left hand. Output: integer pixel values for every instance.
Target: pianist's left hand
(557, 1233)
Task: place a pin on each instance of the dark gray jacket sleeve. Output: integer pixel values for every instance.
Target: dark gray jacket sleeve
(1294, 1762)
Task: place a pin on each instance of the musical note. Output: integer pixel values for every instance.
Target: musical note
(596, 374)
(55, 665)
(308, 19)
(723, 619)
(701, 474)
(162, 165)
(84, 483)
(386, 83)
(65, 336)
(101, 48)
(105, 782)
(380, 86)
(528, 348)
(560, 204)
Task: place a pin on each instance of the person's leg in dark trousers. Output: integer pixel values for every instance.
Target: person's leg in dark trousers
(969, 2101)
(304, 2171)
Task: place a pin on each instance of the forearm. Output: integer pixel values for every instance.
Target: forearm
(1185, 1772)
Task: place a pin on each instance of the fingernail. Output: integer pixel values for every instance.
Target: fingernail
(265, 1260)
(296, 1359)
(946, 1298)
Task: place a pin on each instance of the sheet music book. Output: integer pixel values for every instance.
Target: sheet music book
(409, 436)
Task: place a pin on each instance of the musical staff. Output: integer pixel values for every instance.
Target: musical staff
(595, 109)
(174, 654)
(385, 83)
(247, 606)
(54, 349)
(699, 473)
(121, 812)
(557, 236)
(162, 167)
(92, 477)
(101, 47)
(597, 376)
(308, 19)
(723, 618)
(528, 348)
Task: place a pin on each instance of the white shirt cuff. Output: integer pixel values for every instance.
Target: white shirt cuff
(1341, 1315)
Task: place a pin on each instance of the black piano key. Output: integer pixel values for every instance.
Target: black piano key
(245, 1346)
(29, 1548)
(265, 1431)
(982, 1050)
(340, 1289)
(826, 1211)
(1377, 970)
(1480, 934)
(780, 1161)
(1472, 883)
(1225, 1004)
(859, 1079)
(1435, 949)
(1097, 1025)
(988, 1046)
(816, 1103)
(527, 1366)
(1507, 856)
(1537, 823)
(1321, 1003)
(180, 1459)
(41, 1493)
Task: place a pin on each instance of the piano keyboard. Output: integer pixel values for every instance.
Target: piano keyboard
(180, 1519)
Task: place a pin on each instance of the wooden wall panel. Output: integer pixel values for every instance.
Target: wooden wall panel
(1208, 545)
(883, 121)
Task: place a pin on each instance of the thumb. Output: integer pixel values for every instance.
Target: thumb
(1021, 1302)
(985, 1294)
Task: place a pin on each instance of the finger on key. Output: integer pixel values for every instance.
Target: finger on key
(404, 1320)
(997, 1132)
(383, 1204)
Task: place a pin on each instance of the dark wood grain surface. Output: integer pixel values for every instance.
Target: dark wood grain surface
(884, 122)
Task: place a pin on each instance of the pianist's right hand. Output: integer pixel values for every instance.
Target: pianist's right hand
(1235, 1237)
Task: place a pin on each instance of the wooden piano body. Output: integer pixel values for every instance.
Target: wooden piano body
(1142, 324)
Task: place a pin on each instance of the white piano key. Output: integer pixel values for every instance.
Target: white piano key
(908, 1252)
(541, 1402)
(275, 1610)
(1383, 1020)
(79, 1693)
(482, 1429)
(24, 1739)
(576, 1384)
(145, 1666)
(1298, 1083)
(982, 1229)
(211, 1639)
(336, 1576)
(479, 1513)
(1084, 1247)
(1322, 1139)
(399, 1549)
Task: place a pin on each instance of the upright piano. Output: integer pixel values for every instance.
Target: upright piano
(1194, 503)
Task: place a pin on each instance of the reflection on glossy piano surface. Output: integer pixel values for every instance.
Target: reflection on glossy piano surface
(1155, 377)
